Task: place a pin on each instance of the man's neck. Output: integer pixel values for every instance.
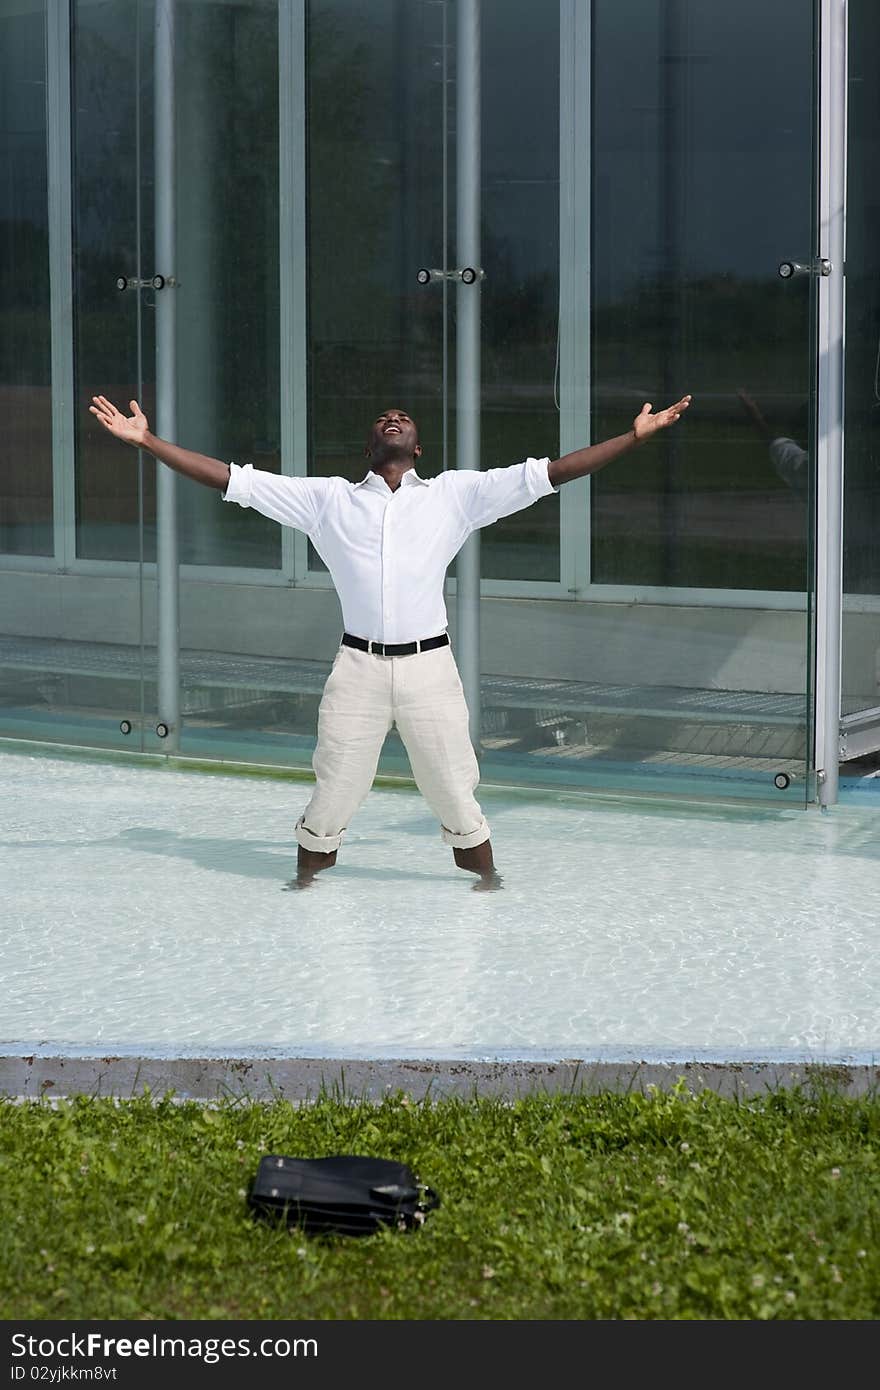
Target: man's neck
(392, 471)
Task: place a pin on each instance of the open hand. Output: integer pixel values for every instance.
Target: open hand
(131, 428)
(646, 423)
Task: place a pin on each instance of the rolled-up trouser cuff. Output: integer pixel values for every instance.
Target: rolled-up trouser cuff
(321, 844)
(476, 837)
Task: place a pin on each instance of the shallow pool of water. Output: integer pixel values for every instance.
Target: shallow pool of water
(146, 910)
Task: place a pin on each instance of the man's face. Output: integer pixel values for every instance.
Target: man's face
(393, 438)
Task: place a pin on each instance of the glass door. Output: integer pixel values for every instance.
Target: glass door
(77, 535)
(28, 680)
(860, 693)
(110, 627)
(424, 164)
(380, 196)
(176, 217)
(677, 657)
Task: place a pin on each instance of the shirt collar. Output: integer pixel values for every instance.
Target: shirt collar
(408, 479)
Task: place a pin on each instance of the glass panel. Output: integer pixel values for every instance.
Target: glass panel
(246, 662)
(91, 652)
(26, 512)
(253, 670)
(106, 668)
(861, 474)
(376, 195)
(25, 404)
(377, 79)
(78, 646)
(700, 186)
(226, 191)
(700, 189)
(226, 62)
(112, 77)
(520, 296)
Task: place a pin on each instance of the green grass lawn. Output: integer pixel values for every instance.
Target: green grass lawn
(660, 1205)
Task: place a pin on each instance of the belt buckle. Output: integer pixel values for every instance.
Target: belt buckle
(418, 646)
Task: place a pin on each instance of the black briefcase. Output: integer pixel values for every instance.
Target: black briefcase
(347, 1193)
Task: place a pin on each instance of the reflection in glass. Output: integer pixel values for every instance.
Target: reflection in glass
(25, 362)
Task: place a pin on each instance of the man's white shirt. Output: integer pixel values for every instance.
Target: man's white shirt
(388, 552)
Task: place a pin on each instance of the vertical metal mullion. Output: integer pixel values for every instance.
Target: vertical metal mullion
(829, 444)
(293, 286)
(139, 351)
(167, 558)
(467, 343)
(444, 262)
(575, 18)
(60, 217)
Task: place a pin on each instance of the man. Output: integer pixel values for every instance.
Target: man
(387, 542)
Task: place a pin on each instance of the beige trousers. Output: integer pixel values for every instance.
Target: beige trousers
(364, 696)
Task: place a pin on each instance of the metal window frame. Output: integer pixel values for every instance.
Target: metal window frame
(60, 219)
(293, 285)
(831, 152)
(468, 338)
(165, 214)
(575, 247)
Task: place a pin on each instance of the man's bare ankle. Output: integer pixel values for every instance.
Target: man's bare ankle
(477, 860)
(312, 861)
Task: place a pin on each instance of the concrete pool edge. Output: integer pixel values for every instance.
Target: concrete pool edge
(303, 1079)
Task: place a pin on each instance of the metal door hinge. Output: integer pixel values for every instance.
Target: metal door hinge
(467, 275)
(155, 282)
(820, 266)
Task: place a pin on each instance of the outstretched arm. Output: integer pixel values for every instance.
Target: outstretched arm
(583, 461)
(755, 414)
(135, 430)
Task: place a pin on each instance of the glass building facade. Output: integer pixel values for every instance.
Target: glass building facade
(221, 209)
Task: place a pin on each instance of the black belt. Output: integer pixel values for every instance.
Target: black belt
(426, 644)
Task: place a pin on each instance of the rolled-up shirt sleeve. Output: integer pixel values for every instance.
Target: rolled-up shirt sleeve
(298, 502)
(484, 497)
